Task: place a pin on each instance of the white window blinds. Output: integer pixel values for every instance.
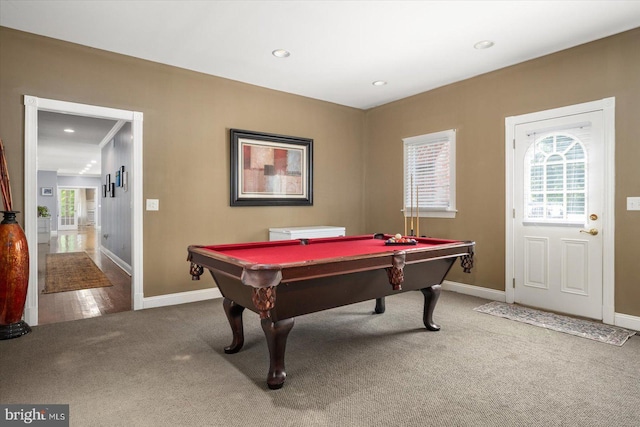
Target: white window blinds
(429, 174)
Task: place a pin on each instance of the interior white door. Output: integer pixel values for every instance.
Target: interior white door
(68, 209)
(558, 207)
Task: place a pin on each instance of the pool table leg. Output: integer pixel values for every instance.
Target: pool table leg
(234, 315)
(431, 295)
(380, 307)
(276, 334)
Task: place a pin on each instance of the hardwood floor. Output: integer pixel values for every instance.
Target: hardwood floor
(82, 304)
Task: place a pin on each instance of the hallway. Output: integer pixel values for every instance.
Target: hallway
(81, 304)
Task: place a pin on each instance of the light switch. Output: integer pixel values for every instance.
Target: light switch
(153, 204)
(633, 203)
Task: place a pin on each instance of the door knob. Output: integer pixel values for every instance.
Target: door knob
(593, 231)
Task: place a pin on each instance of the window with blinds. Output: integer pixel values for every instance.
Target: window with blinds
(555, 177)
(429, 175)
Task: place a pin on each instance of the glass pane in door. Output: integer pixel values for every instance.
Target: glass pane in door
(67, 207)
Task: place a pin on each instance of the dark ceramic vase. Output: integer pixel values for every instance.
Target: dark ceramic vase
(14, 277)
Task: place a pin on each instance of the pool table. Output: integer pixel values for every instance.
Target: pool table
(284, 279)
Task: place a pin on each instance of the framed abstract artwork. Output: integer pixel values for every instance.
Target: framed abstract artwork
(270, 170)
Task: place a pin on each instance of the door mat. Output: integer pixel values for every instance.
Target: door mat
(556, 322)
(72, 271)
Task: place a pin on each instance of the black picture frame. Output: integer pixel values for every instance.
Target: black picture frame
(104, 190)
(270, 169)
(113, 189)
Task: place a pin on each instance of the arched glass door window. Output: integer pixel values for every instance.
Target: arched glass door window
(555, 179)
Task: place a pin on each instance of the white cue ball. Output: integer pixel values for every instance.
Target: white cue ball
(398, 236)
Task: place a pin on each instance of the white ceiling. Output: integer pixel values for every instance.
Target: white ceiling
(338, 48)
(71, 153)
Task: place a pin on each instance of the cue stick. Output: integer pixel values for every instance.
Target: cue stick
(417, 210)
(404, 216)
(411, 196)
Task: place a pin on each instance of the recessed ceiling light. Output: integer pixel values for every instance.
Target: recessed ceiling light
(281, 53)
(69, 130)
(484, 44)
(93, 161)
(379, 83)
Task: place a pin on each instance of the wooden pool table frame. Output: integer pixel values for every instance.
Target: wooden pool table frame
(280, 292)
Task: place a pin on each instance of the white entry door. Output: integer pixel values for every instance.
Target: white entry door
(68, 209)
(558, 207)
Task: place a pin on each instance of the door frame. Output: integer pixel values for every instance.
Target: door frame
(34, 104)
(607, 106)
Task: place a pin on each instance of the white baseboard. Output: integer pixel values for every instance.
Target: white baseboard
(476, 291)
(119, 262)
(621, 320)
(181, 298)
(626, 321)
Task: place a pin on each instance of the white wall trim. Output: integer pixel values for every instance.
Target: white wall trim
(181, 298)
(609, 242)
(627, 321)
(31, 204)
(112, 133)
(476, 291)
(34, 104)
(116, 259)
(137, 236)
(607, 106)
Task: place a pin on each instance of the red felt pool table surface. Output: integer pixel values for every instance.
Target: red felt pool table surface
(291, 251)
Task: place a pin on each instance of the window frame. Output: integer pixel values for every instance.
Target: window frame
(423, 140)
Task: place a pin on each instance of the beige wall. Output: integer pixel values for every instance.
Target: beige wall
(358, 155)
(477, 108)
(187, 117)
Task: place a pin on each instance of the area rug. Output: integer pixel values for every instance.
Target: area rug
(72, 271)
(569, 325)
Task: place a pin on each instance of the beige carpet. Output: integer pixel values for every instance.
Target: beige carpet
(346, 367)
(71, 272)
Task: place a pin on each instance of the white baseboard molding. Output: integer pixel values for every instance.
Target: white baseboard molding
(119, 262)
(626, 321)
(476, 291)
(621, 320)
(181, 298)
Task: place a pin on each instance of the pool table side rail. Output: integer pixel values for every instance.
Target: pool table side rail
(325, 267)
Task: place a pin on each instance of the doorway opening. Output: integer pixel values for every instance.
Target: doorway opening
(87, 233)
